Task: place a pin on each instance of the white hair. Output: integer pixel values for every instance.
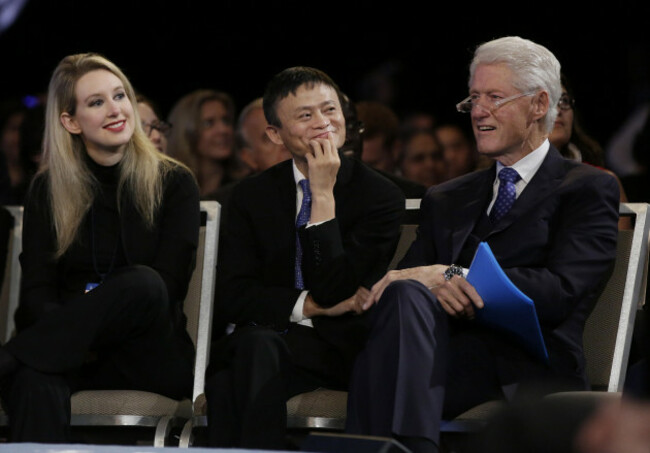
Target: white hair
(534, 68)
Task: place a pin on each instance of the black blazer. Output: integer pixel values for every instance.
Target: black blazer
(557, 244)
(255, 277)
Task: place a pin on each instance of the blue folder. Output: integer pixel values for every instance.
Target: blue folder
(506, 308)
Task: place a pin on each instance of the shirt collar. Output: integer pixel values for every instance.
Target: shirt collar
(297, 175)
(528, 165)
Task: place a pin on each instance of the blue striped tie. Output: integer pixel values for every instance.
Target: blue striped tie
(303, 217)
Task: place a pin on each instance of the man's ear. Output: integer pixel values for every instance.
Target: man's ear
(69, 123)
(274, 136)
(541, 105)
(246, 156)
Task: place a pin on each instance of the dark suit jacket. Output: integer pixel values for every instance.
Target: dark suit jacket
(557, 244)
(169, 247)
(255, 277)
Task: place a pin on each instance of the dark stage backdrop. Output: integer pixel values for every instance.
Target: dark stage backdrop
(411, 54)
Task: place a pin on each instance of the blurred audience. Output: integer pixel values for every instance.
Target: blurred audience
(156, 129)
(369, 119)
(458, 150)
(421, 158)
(574, 143)
(381, 127)
(202, 137)
(254, 148)
(12, 114)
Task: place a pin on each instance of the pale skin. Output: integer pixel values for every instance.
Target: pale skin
(104, 116)
(313, 129)
(506, 134)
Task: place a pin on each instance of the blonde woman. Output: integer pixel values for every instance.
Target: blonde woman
(109, 241)
(203, 138)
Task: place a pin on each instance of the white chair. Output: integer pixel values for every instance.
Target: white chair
(136, 409)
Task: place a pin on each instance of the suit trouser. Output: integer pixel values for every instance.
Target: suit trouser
(419, 366)
(126, 322)
(252, 374)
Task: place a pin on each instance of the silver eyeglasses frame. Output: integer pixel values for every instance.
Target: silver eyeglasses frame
(467, 104)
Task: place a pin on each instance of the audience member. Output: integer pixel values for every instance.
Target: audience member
(381, 129)
(573, 143)
(421, 158)
(202, 137)
(156, 129)
(104, 267)
(32, 130)
(427, 356)
(380, 142)
(254, 146)
(292, 288)
(459, 150)
(12, 114)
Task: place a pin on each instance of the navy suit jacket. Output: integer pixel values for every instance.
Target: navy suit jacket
(557, 244)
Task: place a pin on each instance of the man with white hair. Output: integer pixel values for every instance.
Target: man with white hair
(552, 226)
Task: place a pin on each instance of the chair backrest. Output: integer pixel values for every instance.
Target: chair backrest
(408, 232)
(608, 330)
(199, 301)
(11, 279)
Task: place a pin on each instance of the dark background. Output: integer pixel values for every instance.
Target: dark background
(168, 48)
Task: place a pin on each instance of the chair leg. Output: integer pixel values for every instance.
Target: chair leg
(163, 428)
(187, 435)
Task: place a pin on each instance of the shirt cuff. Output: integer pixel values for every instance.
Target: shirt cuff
(296, 313)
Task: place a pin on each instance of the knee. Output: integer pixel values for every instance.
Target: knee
(141, 282)
(408, 302)
(256, 342)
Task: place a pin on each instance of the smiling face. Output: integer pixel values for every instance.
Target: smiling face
(216, 131)
(512, 130)
(313, 113)
(103, 116)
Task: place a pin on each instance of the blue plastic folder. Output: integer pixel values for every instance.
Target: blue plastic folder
(505, 307)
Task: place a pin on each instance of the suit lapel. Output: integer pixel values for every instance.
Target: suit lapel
(548, 176)
(468, 208)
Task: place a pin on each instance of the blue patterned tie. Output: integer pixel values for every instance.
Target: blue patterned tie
(507, 193)
(303, 218)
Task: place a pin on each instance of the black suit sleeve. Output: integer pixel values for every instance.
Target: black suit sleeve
(178, 226)
(338, 259)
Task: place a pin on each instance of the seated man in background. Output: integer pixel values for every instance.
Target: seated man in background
(552, 226)
(300, 240)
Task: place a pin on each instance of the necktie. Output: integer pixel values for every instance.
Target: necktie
(507, 194)
(303, 218)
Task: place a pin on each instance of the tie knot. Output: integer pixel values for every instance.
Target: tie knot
(508, 174)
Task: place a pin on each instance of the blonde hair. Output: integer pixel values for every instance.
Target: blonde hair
(71, 184)
(185, 117)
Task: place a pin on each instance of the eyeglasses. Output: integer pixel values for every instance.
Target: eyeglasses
(566, 103)
(161, 126)
(467, 104)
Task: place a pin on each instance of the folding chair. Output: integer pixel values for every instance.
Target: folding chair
(608, 331)
(322, 408)
(607, 339)
(10, 283)
(137, 409)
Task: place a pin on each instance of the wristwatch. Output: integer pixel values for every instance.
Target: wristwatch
(452, 270)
